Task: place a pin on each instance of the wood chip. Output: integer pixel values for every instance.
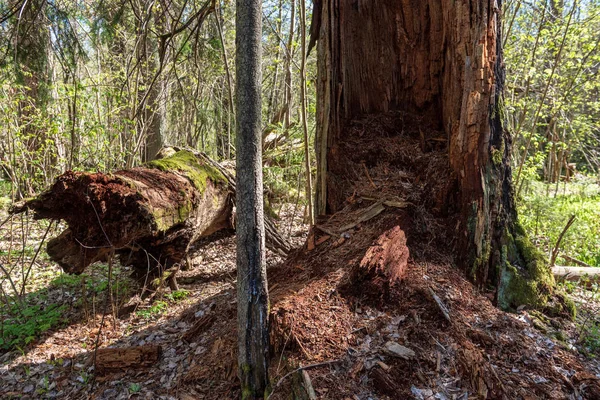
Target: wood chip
(397, 350)
(383, 365)
(396, 204)
(441, 305)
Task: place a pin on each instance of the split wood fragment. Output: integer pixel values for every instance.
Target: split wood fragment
(576, 261)
(369, 213)
(116, 359)
(441, 305)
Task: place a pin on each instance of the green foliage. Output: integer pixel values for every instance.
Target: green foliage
(134, 388)
(177, 295)
(157, 309)
(590, 337)
(552, 86)
(544, 217)
(23, 323)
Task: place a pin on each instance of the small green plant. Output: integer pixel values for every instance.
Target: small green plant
(544, 217)
(178, 295)
(158, 308)
(590, 338)
(43, 388)
(134, 388)
(84, 377)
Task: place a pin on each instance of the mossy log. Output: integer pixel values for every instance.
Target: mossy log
(148, 215)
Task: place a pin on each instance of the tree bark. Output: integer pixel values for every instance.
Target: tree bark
(443, 62)
(252, 292)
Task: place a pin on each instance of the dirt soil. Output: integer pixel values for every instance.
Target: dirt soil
(430, 335)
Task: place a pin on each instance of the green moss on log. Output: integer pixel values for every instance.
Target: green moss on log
(561, 305)
(186, 163)
(525, 277)
(189, 165)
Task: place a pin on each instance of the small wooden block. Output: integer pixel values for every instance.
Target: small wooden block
(114, 359)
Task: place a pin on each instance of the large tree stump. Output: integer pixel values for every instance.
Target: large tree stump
(149, 215)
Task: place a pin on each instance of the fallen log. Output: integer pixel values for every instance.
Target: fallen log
(576, 273)
(273, 239)
(148, 215)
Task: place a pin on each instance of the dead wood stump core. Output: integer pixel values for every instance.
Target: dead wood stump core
(383, 264)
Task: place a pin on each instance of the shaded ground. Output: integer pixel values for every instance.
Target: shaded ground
(394, 343)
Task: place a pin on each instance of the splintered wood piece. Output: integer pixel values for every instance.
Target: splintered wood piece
(384, 382)
(441, 305)
(114, 359)
(322, 240)
(369, 213)
(396, 204)
(326, 230)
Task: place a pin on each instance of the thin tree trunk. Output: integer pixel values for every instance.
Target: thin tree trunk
(288, 92)
(303, 111)
(272, 105)
(230, 114)
(253, 297)
(32, 43)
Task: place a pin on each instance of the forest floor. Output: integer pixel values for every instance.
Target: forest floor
(433, 335)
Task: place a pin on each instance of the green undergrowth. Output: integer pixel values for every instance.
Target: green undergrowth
(25, 318)
(160, 307)
(22, 322)
(5, 193)
(544, 216)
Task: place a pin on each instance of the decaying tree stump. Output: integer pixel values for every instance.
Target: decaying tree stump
(148, 215)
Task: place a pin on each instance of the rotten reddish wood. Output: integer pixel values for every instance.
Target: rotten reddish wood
(116, 359)
(384, 263)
